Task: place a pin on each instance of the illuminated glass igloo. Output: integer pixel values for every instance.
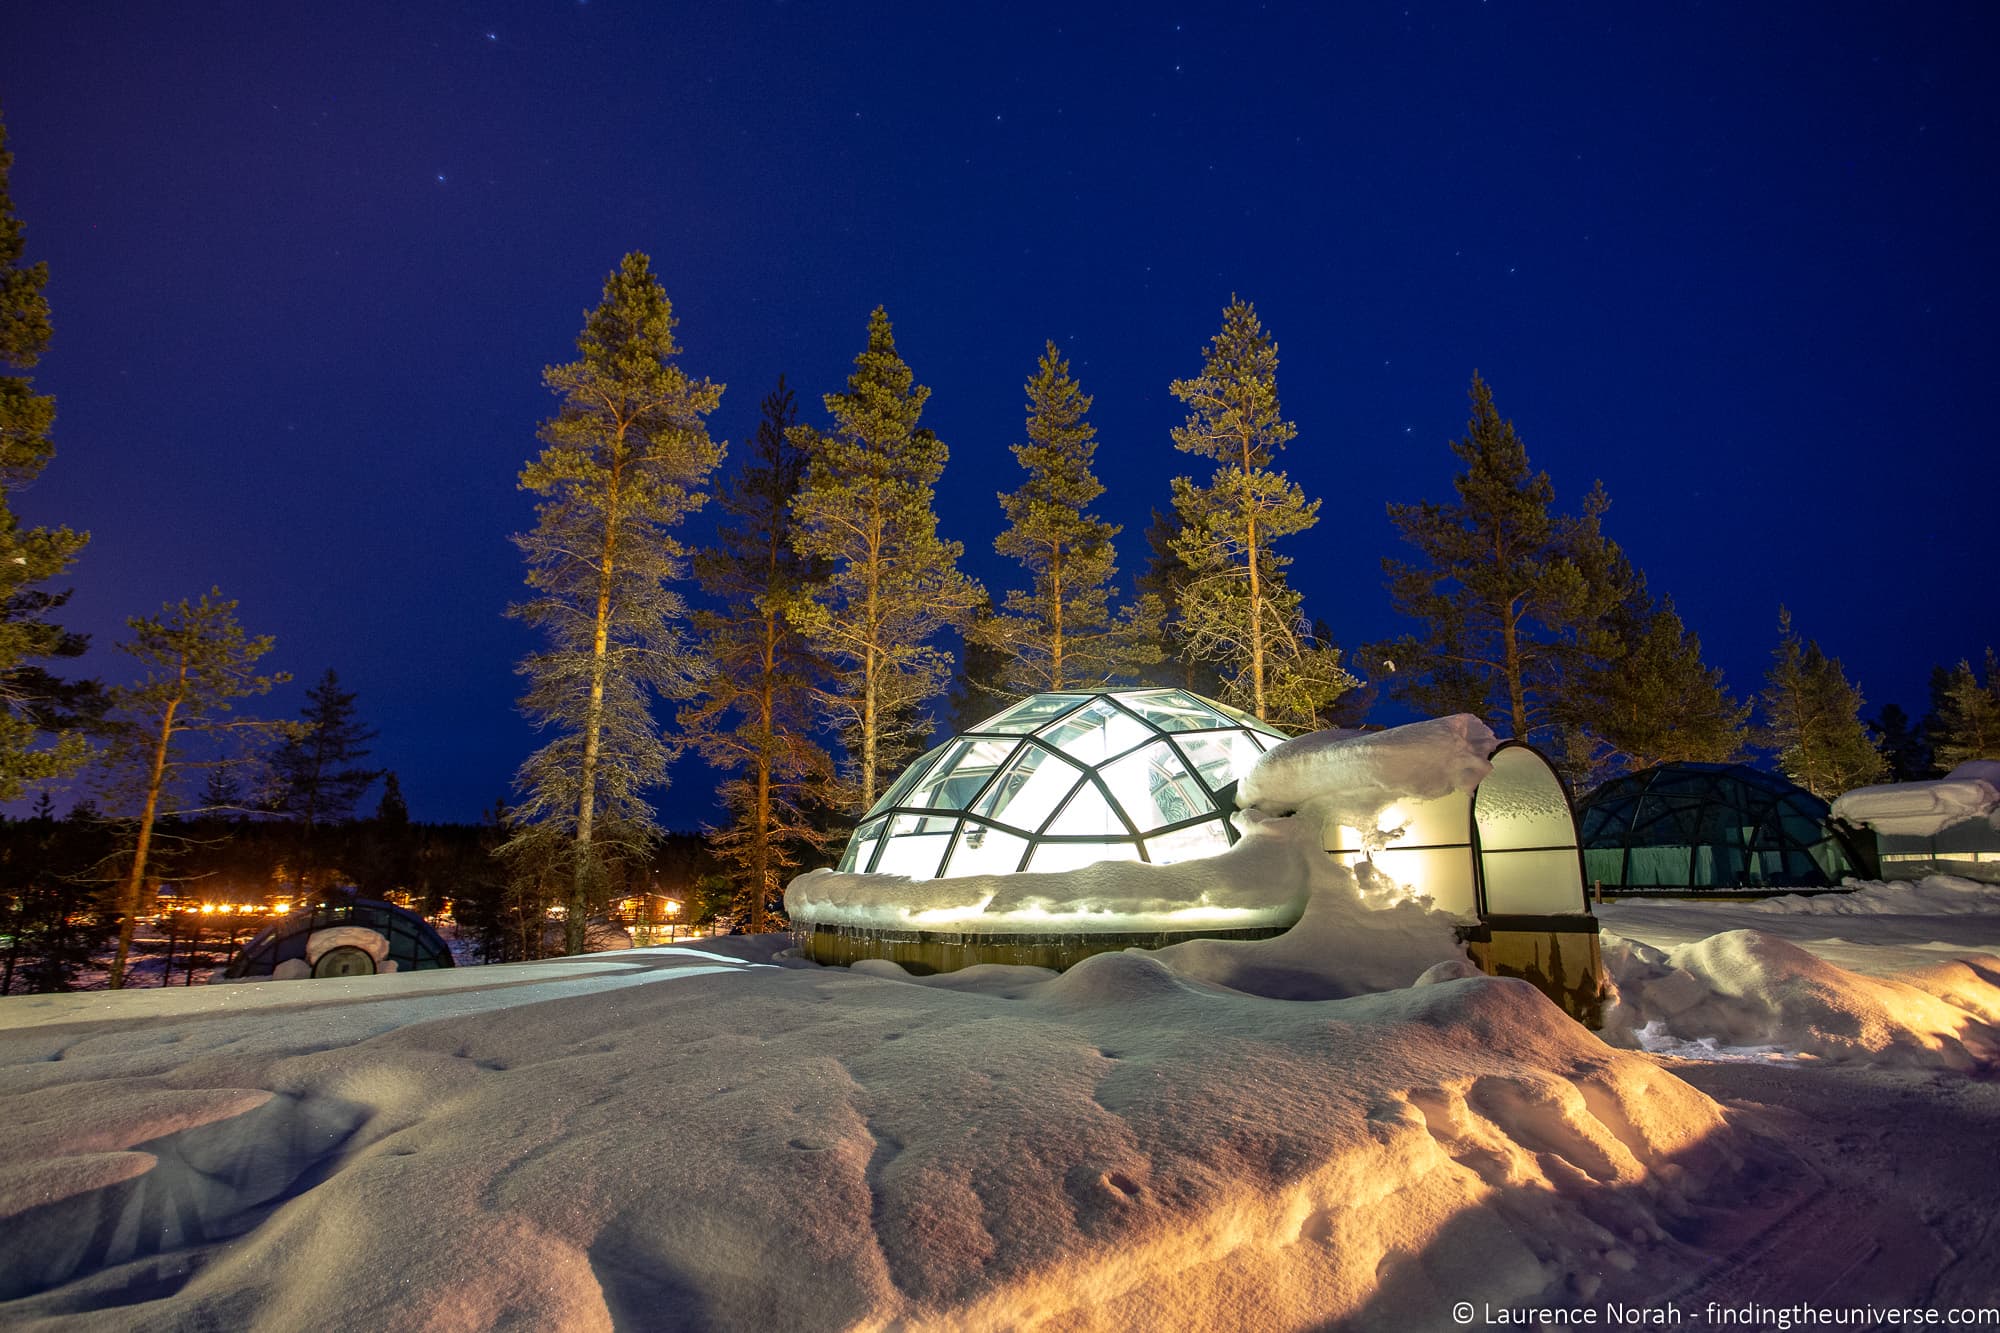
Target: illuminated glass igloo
(1065, 780)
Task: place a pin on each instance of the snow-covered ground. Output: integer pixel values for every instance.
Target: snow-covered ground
(718, 1136)
(1337, 1127)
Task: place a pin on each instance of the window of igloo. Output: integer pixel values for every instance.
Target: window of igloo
(1064, 780)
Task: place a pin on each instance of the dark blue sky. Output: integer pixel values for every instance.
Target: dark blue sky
(1739, 261)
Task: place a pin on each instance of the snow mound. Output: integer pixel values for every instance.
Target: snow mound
(1745, 988)
(1360, 932)
(1354, 776)
(1925, 809)
(1934, 895)
(1124, 1145)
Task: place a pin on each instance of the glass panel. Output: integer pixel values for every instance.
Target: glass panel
(894, 795)
(1605, 864)
(1030, 790)
(1095, 733)
(1188, 844)
(860, 847)
(1248, 720)
(1088, 814)
(956, 779)
(1521, 804)
(1220, 757)
(1154, 787)
(1070, 855)
(1030, 713)
(1534, 883)
(986, 851)
(1658, 867)
(916, 845)
(1173, 710)
(1442, 874)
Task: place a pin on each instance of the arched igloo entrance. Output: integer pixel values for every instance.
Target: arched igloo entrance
(1506, 860)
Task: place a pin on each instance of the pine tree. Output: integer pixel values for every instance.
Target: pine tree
(892, 585)
(1236, 609)
(318, 770)
(392, 811)
(1812, 718)
(757, 715)
(1510, 594)
(627, 459)
(1649, 698)
(180, 718)
(40, 736)
(1967, 724)
(1060, 634)
(1159, 586)
(975, 692)
(1902, 743)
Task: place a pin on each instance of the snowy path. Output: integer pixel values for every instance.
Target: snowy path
(1902, 1177)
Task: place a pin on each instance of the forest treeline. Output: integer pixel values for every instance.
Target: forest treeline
(807, 650)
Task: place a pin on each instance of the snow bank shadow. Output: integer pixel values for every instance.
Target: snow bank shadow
(145, 1237)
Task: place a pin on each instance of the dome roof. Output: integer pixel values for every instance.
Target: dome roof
(339, 931)
(1064, 780)
(1710, 825)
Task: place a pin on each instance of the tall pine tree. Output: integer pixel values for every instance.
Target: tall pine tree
(1060, 634)
(756, 717)
(1510, 594)
(318, 771)
(628, 457)
(1236, 608)
(893, 585)
(1812, 718)
(1648, 698)
(1903, 744)
(39, 722)
(179, 718)
(1966, 724)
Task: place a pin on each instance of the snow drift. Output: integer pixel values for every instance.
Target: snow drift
(1745, 988)
(694, 1139)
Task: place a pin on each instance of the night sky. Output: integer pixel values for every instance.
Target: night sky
(1739, 261)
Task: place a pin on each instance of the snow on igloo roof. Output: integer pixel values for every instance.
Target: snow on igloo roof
(1064, 780)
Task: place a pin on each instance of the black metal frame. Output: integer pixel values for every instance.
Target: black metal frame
(1092, 776)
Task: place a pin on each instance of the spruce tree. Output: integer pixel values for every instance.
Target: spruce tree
(628, 457)
(1060, 634)
(179, 718)
(1812, 718)
(318, 770)
(1967, 723)
(40, 736)
(1902, 743)
(1236, 608)
(892, 584)
(392, 811)
(1511, 594)
(1649, 698)
(756, 717)
(1159, 586)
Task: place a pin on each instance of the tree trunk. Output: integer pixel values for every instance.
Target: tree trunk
(1517, 696)
(574, 914)
(128, 896)
(870, 665)
(1256, 598)
(1055, 619)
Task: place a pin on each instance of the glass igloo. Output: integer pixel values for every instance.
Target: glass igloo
(1064, 780)
(1710, 826)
